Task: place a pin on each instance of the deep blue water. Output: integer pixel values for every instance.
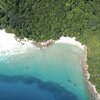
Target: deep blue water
(29, 88)
(54, 73)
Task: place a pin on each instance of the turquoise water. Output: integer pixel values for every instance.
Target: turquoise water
(54, 73)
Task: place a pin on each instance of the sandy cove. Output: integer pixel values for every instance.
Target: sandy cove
(9, 42)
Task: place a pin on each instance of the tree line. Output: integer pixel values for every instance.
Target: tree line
(44, 19)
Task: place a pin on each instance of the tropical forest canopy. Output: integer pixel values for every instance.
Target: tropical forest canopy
(45, 19)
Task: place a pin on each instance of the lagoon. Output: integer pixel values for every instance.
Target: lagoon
(53, 73)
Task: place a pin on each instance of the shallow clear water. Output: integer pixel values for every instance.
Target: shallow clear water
(54, 73)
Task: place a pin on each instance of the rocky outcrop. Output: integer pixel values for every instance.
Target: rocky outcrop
(44, 44)
(92, 88)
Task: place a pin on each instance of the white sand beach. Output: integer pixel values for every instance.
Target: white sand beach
(70, 40)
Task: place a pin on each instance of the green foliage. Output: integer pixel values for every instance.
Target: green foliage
(49, 18)
(41, 20)
(92, 40)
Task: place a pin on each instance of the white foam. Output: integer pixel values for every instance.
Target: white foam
(10, 45)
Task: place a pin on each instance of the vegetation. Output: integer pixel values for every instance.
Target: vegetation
(41, 20)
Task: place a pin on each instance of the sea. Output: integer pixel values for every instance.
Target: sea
(52, 73)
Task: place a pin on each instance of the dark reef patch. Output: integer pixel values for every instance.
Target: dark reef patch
(31, 88)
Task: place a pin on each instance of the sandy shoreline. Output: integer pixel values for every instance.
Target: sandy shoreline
(8, 42)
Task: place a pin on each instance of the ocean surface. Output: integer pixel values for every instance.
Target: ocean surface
(54, 73)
